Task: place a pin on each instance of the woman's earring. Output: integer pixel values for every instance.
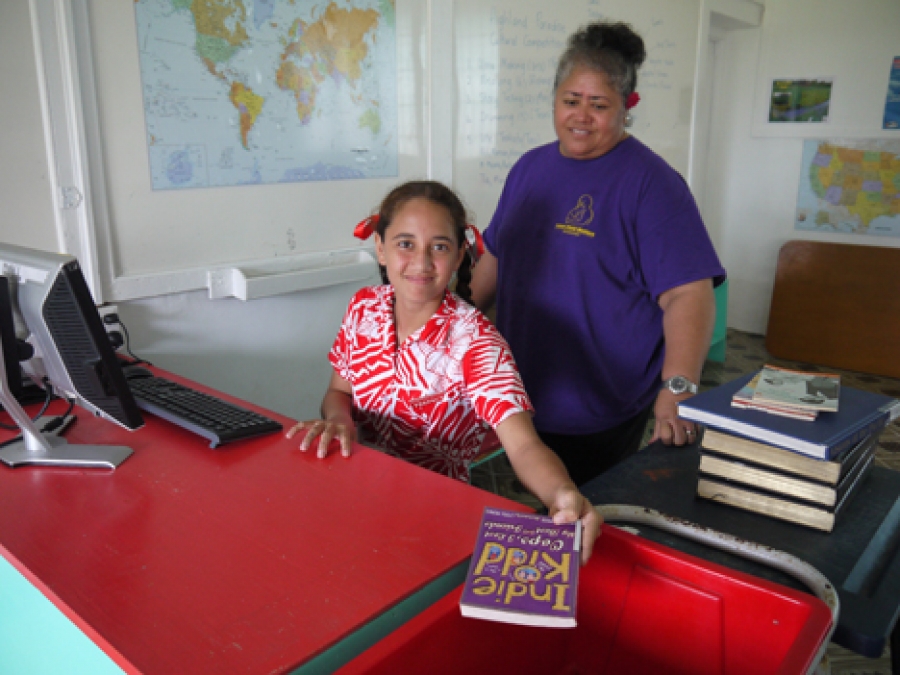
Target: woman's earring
(629, 120)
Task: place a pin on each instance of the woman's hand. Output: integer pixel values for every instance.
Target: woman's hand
(689, 314)
(668, 427)
(570, 505)
(326, 431)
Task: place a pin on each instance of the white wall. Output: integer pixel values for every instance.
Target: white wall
(271, 351)
(752, 182)
(26, 209)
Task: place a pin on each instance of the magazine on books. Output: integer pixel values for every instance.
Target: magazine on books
(797, 389)
(744, 399)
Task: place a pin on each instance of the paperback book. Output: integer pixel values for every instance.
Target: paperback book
(818, 392)
(744, 399)
(524, 570)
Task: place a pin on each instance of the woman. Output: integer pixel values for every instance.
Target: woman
(424, 374)
(601, 268)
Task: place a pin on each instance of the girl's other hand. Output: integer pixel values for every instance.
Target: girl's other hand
(326, 431)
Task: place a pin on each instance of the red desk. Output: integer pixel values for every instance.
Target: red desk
(250, 558)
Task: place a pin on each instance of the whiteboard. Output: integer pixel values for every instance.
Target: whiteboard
(506, 53)
(146, 233)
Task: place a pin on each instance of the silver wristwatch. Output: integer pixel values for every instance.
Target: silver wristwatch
(679, 384)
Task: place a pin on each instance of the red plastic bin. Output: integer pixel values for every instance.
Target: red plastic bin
(643, 608)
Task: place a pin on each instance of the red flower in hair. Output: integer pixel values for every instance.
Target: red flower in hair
(474, 243)
(632, 100)
(366, 227)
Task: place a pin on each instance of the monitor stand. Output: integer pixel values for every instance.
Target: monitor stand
(37, 449)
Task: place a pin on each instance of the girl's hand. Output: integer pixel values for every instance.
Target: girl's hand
(326, 431)
(570, 505)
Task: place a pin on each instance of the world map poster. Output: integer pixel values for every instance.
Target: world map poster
(851, 187)
(267, 91)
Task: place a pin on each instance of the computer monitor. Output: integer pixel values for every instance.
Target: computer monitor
(73, 356)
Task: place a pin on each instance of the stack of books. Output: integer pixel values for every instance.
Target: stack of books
(789, 468)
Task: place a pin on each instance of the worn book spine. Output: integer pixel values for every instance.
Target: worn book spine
(772, 480)
(767, 505)
(763, 454)
(774, 410)
(854, 477)
(873, 426)
(851, 486)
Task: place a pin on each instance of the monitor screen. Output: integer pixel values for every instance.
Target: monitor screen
(15, 350)
(73, 354)
(8, 340)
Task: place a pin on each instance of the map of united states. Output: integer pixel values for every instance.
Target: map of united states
(854, 188)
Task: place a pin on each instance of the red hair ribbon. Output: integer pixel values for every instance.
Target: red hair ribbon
(474, 242)
(366, 227)
(633, 99)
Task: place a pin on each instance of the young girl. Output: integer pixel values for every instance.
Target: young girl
(425, 374)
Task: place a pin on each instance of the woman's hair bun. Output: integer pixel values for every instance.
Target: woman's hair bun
(619, 37)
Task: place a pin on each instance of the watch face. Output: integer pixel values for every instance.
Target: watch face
(679, 384)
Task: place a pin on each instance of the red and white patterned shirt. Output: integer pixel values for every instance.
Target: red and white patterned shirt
(432, 400)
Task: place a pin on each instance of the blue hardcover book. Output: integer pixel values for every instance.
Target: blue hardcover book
(860, 414)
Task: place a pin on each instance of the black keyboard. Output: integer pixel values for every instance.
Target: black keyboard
(206, 415)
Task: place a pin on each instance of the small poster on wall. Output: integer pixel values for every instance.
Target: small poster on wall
(892, 104)
(800, 100)
(850, 186)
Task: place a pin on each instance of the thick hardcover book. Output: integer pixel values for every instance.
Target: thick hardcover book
(798, 389)
(780, 482)
(524, 570)
(764, 455)
(777, 505)
(860, 413)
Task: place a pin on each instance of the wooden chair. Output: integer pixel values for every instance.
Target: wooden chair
(837, 305)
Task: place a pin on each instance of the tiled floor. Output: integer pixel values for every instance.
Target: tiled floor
(747, 353)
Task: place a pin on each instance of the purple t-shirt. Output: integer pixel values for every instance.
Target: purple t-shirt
(585, 248)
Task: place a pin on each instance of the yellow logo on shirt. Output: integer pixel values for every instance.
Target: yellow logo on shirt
(578, 218)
